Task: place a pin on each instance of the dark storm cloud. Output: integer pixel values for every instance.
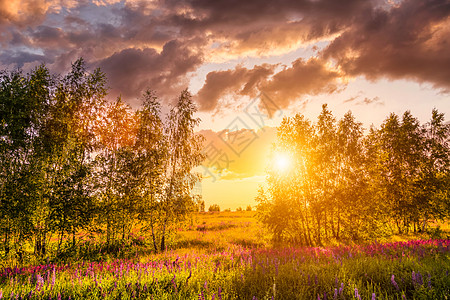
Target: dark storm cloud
(242, 25)
(260, 26)
(157, 44)
(21, 58)
(240, 80)
(410, 41)
(223, 15)
(309, 77)
(48, 35)
(130, 71)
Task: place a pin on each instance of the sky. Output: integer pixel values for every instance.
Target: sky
(247, 64)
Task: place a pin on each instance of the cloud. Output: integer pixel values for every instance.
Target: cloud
(408, 41)
(404, 41)
(264, 26)
(374, 100)
(48, 36)
(23, 12)
(351, 99)
(158, 44)
(310, 77)
(240, 81)
(357, 101)
(21, 57)
(130, 71)
(234, 27)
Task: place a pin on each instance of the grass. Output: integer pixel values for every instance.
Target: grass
(227, 256)
(222, 230)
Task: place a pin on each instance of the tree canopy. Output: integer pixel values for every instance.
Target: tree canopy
(70, 160)
(343, 184)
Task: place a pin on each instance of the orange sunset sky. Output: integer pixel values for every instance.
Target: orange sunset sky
(248, 64)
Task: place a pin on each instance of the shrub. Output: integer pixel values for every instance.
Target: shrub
(214, 207)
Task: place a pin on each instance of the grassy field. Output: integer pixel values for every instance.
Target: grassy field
(218, 231)
(228, 255)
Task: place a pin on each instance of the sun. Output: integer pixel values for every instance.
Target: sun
(282, 162)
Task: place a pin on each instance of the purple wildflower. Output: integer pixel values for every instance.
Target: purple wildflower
(373, 296)
(53, 277)
(341, 289)
(394, 283)
(335, 294)
(190, 274)
(357, 296)
(419, 278)
(39, 282)
(174, 284)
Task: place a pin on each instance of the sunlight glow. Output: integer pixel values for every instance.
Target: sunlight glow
(282, 162)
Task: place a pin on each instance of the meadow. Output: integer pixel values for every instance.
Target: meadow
(227, 255)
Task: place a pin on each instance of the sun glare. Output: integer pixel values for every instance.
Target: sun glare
(282, 162)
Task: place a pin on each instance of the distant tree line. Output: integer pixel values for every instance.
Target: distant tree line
(345, 185)
(214, 208)
(249, 208)
(71, 161)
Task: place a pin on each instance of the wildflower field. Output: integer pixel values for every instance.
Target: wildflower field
(218, 256)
